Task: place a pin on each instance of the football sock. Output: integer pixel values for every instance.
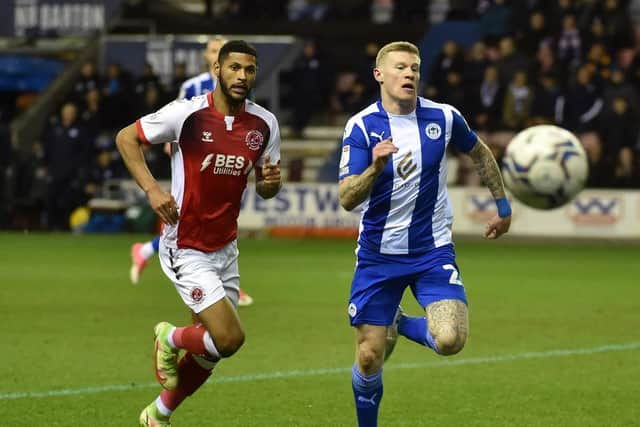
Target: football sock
(367, 391)
(193, 371)
(159, 411)
(147, 250)
(195, 339)
(415, 329)
(156, 244)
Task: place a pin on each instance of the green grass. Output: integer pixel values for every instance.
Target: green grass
(72, 323)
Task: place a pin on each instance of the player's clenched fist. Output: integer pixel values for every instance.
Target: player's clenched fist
(381, 153)
(270, 172)
(164, 205)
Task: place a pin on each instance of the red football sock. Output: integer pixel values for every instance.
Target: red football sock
(191, 375)
(191, 338)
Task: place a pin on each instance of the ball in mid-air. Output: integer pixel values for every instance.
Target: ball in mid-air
(545, 166)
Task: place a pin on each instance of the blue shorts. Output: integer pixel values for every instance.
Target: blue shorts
(380, 280)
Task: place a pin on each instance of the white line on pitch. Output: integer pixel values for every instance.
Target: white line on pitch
(329, 371)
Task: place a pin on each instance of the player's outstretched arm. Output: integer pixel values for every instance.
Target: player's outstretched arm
(129, 147)
(268, 181)
(489, 172)
(354, 189)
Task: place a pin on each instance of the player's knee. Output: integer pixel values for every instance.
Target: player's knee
(449, 342)
(370, 358)
(228, 344)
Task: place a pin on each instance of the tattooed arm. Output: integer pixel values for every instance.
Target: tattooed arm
(355, 189)
(488, 169)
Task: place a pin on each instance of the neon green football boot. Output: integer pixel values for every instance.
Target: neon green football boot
(165, 357)
(151, 417)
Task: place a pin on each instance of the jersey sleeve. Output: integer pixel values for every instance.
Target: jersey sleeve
(273, 145)
(163, 125)
(462, 137)
(187, 90)
(355, 157)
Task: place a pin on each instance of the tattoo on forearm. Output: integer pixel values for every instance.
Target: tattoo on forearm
(488, 169)
(355, 189)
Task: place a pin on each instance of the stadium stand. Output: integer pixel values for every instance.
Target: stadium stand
(505, 64)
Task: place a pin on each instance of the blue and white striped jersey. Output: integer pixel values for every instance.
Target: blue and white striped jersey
(198, 85)
(408, 210)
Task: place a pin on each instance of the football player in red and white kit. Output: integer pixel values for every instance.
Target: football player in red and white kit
(142, 253)
(218, 139)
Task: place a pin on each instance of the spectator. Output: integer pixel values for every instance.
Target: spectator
(347, 96)
(382, 11)
(410, 12)
(599, 61)
(495, 21)
(179, 76)
(148, 79)
(569, 44)
(583, 105)
(366, 71)
(67, 157)
(511, 60)
(547, 101)
(449, 59)
(87, 81)
(618, 87)
(475, 65)
(453, 93)
(313, 10)
(517, 102)
(103, 167)
(93, 115)
(117, 97)
(545, 64)
(308, 79)
(619, 131)
(616, 22)
(530, 37)
(487, 101)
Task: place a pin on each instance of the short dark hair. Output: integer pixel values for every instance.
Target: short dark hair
(239, 46)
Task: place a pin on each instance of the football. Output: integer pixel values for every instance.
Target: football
(545, 166)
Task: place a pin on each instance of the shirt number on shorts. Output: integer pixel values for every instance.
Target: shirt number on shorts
(454, 279)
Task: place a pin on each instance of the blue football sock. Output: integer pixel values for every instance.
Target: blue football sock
(415, 329)
(367, 391)
(156, 244)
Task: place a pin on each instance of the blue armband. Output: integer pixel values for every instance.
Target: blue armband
(504, 208)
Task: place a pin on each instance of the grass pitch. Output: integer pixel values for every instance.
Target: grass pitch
(554, 338)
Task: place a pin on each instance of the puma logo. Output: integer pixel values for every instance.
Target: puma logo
(377, 135)
(370, 400)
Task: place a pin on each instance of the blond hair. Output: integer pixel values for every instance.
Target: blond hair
(396, 47)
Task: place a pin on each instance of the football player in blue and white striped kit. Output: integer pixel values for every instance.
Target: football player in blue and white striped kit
(394, 167)
(203, 82)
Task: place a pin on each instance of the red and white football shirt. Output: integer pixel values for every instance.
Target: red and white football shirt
(210, 167)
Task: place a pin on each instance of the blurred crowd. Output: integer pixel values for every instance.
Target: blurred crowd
(76, 153)
(571, 63)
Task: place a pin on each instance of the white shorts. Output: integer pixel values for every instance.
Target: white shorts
(202, 278)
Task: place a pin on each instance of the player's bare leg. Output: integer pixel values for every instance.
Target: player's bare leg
(215, 333)
(444, 328)
(448, 322)
(223, 325)
(370, 348)
(366, 376)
